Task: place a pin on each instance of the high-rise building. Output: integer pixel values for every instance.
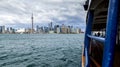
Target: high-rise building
(46, 29)
(73, 30)
(37, 29)
(69, 29)
(28, 30)
(64, 29)
(50, 26)
(2, 29)
(78, 30)
(10, 30)
(57, 29)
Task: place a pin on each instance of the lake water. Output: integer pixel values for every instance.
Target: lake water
(40, 50)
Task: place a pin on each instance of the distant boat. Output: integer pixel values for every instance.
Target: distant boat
(102, 35)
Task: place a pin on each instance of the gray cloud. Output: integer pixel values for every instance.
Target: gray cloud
(16, 12)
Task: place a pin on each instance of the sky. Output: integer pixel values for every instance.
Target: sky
(17, 13)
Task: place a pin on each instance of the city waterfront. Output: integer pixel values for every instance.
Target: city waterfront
(41, 50)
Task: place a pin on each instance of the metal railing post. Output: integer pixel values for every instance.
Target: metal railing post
(111, 32)
(87, 39)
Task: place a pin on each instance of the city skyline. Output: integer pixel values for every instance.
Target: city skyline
(17, 13)
(51, 28)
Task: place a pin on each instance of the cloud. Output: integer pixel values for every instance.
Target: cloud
(18, 12)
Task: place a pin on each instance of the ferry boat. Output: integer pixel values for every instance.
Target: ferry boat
(102, 35)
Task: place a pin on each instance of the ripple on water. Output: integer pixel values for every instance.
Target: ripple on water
(50, 50)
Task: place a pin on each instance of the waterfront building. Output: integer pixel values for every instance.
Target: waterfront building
(64, 29)
(28, 30)
(2, 29)
(46, 29)
(73, 30)
(69, 29)
(21, 30)
(51, 32)
(50, 26)
(42, 29)
(78, 30)
(37, 28)
(14, 31)
(57, 29)
(10, 30)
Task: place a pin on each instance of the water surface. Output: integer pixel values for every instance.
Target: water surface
(40, 50)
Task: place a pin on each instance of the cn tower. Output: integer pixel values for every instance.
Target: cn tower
(32, 30)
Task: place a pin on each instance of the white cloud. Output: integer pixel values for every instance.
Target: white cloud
(45, 11)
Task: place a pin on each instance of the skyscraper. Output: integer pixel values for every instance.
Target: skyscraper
(58, 29)
(64, 29)
(2, 29)
(37, 28)
(50, 26)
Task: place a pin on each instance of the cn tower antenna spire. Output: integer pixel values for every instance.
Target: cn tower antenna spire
(32, 30)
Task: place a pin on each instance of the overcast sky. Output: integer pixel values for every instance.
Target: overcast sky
(17, 13)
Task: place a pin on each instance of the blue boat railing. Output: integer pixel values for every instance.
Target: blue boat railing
(101, 39)
(87, 39)
(110, 36)
(86, 53)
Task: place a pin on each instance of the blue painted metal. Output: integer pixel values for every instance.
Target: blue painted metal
(87, 56)
(97, 38)
(87, 39)
(111, 32)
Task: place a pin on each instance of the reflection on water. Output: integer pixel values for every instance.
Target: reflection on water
(40, 50)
